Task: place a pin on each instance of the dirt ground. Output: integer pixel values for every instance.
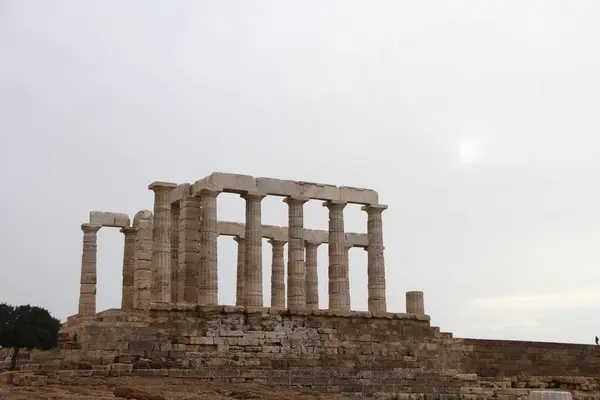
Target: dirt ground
(162, 388)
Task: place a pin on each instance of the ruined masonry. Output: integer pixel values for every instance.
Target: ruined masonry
(170, 323)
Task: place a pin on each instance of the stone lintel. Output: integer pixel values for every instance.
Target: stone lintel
(157, 186)
(109, 219)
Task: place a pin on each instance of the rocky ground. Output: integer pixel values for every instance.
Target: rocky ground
(97, 388)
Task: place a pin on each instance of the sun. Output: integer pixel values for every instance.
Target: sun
(468, 153)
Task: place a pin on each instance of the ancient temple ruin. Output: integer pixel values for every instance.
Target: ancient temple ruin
(170, 256)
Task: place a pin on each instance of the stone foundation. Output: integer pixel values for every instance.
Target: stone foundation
(322, 350)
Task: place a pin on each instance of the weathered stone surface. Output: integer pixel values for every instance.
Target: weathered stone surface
(109, 219)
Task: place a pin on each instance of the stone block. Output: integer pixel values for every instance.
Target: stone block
(226, 182)
(109, 219)
(278, 187)
(358, 195)
(319, 191)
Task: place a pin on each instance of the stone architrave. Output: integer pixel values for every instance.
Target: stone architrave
(161, 248)
(188, 260)
(128, 260)
(240, 294)
(376, 263)
(253, 257)
(312, 279)
(176, 282)
(277, 274)
(87, 291)
(142, 259)
(296, 267)
(339, 297)
(208, 280)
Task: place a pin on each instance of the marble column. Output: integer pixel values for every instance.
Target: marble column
(87, 288)
(296, 267)
(312, 279)
(142, 259)
(188, 258)
(253, 259)
(176, 283)
(128, 258)
(277, 274)
(375, 263)
(161, 248)
(208, 280)
(415, 303)
(339, 298)
(240, 294)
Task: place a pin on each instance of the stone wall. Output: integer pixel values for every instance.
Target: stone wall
(354, 352)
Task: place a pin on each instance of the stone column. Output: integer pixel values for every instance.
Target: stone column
(296, 267)
(376, 263)
(176, 283)
(240, 294)
(142, 259)
(253, 259)
(415, 303)
(87, 288)
(189, 249)
(339, 298)
(128, 258)
(277, 274)
(312, 279)
(347, 281)
(208, 280)
(161, 248)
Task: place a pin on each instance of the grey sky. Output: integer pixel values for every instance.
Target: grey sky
(98, 99)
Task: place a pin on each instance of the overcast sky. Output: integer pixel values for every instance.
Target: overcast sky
(477, 123)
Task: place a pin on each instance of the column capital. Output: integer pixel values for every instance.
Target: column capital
(239, 239)
(128, 230)
(253, 195)
(335, 204)
(275, 242)
(158, 186)
(296, 200)
(374, 208)
(90, 228)
(312, 244)
(211, 193)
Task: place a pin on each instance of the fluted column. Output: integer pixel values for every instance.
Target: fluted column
(312, 279)
(128, 258)
(376, 263)
(253, 259)
(161, 248)
(339, 297)
(240, 294)
(87, 288)
(296, 267)
(176, 283)
(142, 259)
(415, 303)
(208, 280)
(277, 274)
(189, 249)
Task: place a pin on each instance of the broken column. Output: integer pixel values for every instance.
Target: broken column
(277, 274)
(375, 263)
(339, 297)
(128, 258)
(253, 259)
(142, 259)
(87, 288)
(240, 294)
(296, 293)
(208, 280)
(161, 248)
(415, 303)
(189, 249)
(312, 279)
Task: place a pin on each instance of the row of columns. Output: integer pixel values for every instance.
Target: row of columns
(172, 256)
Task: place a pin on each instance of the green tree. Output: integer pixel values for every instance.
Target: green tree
(27, 327)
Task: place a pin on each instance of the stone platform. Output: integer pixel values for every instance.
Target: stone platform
(322, 350)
